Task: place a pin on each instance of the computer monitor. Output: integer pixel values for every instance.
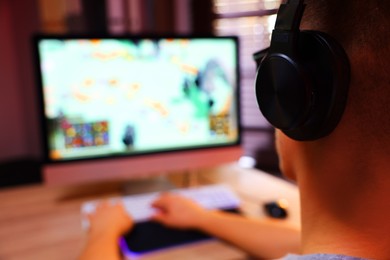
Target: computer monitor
(123, 107)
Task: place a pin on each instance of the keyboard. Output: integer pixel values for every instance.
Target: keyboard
(216, 196)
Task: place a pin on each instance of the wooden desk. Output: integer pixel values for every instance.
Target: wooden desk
(39, 222)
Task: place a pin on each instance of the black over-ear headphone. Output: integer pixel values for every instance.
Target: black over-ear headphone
(302, 78)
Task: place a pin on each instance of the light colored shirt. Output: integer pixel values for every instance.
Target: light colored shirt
(322, 257)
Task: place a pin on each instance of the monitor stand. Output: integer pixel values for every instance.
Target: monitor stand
(160, 183)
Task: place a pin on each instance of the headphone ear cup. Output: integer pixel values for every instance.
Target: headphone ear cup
(283, 91)
(305, 97)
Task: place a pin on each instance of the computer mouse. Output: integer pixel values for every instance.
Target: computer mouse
(276, 209)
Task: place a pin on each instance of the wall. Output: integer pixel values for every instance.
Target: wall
(18, 115)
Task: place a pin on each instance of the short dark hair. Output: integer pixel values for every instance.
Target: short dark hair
(356, 21)
(362, 28)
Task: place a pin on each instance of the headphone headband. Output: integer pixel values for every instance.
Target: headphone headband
(289, 16)
(285, 35)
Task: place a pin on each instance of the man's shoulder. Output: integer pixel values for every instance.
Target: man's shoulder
(322, 257)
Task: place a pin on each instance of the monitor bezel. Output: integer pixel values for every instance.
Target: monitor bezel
(43, 121)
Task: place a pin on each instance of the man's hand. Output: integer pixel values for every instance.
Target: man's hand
(107, 224)
(179, 212)
(109, 219)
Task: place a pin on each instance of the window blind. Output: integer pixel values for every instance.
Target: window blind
(252, 21)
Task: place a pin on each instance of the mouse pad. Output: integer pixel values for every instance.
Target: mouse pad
(149, 236)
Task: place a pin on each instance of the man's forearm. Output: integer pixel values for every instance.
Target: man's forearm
(101, 247)
(262, 238)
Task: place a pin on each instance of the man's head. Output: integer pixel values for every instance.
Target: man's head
(344, 177)
(361, 27)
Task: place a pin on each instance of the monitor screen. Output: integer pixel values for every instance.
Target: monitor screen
(105, 97)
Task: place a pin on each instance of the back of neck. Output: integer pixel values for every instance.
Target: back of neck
(345, 206)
